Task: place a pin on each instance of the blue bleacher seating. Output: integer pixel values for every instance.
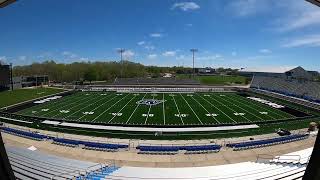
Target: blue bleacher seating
(174, 149)
(30, 135)
(266, 142)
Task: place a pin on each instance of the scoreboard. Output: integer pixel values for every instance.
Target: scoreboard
(4, 76)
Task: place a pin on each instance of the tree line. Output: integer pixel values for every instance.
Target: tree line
(93, 71)
(101, 71)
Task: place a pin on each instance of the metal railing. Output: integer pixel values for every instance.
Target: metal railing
(278, 159)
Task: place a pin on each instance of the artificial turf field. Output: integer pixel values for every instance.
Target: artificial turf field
(16, 96)
(173, 109)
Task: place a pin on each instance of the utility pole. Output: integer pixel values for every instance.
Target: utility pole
(11, 76)
(121, 51)
(193, 51)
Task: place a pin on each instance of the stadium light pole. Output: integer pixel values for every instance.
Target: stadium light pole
(193, 51)
(121, 51)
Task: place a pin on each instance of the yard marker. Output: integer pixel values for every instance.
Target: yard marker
(218, 109)
(205, 109)
(109, 108)
(177, 109)
(121, 109)
(135, 109)
(191, 108)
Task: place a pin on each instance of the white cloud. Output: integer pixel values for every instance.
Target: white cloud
(265, 51)
(84, 59)
(152, 56)
(141, 43)
(3, 58)
(149, 47)
(186, 6)
(234, 53)
(211, 57)
(189, 25)
(128, 54)
(295, 15)
(243, 8)
(304, 19)
(156, 35)
(311, 41)
(169, 53)
(69, 54)
(22, 58)
(181, 57)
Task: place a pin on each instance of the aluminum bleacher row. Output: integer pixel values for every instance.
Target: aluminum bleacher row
(307, 90)
(266, 142)
(298, 157)
(30, 165)
(66, 142)
(35, 165)
(196, 149)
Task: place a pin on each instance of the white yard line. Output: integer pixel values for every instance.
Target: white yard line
(228, 107)
(177, 109)
(92, 110)
(250, 107)
(218, 109)
(261, 106)
(135, 109)
(244, 109)
(67, 104)
(108, 108)
(121, 109)
(85, 107)
(191, 108)
(163, 110)
(145, 122)
(205, 109)
(74, 106)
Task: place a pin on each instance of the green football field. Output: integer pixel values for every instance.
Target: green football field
(16, 96)
(157, 108)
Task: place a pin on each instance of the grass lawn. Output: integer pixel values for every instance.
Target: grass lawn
(12, 97)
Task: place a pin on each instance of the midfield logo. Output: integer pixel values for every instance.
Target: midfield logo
(150, 102)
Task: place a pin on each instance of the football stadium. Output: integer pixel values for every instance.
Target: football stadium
(127, 120)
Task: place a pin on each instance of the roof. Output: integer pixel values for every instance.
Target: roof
(4, 3)
(267, 69)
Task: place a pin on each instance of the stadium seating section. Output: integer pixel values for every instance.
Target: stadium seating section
(89, 145)
(36, 165)
(29, 165)
(155, 81)
(307, 90)
(266, 142)
(175, 149)
(25, 134)
(67, 142)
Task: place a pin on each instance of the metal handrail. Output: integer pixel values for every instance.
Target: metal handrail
(276, 158)
(66, 173)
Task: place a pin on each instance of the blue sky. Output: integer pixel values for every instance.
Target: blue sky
(254, 34)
